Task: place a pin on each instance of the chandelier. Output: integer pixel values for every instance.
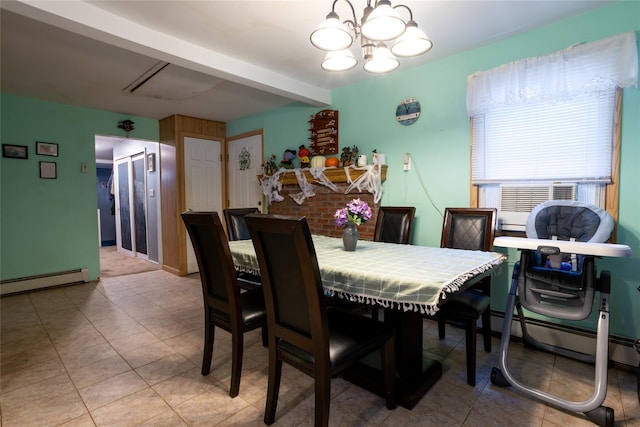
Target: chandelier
(379, 24)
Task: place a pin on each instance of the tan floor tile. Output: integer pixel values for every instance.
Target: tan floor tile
(166, 418)
(82, 421)
(164, 368)
(26, 359)
(86, 375)
(132, 342)
(42, 383)
(36, 393)
(58, 408)
(248, 416)
(123, 326)
(141, 356)
(73, 359)
(210, 408)
(131, 410)
(12, 380)
(112, 389)
(183, 386)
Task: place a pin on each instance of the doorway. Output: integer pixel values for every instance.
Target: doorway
(143, 201)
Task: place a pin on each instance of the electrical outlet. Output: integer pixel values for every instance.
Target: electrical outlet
(406, 162)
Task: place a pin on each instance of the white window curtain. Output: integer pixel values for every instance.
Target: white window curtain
(548, 121)
(550, 118)
(580, 69)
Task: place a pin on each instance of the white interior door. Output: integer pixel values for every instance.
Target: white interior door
(203, 182)
(245, 159)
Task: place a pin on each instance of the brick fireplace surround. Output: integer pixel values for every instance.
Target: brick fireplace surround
(319, 210)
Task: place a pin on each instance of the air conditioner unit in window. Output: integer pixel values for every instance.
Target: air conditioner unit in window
(517, 201)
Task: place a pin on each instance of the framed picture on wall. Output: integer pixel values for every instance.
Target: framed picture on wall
(46, 148)
(15, 151)
(48, 170)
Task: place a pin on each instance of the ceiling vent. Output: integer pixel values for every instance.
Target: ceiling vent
(172, 83)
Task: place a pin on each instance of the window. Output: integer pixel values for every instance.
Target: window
(546, 128)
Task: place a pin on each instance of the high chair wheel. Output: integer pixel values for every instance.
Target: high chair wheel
(602, 415)
(497, 378)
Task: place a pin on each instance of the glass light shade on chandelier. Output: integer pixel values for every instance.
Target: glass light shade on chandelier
(413, 42)
(332, 34)
(379, 23)
(382, 61)
(339, 60)
(383, 23)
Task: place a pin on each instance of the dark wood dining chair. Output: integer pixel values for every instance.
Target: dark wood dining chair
(473, 229)
(224, 305)
(394, 224)
(236, 225)
(237, 230)
(319, 342)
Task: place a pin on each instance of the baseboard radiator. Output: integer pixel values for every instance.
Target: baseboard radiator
(24, 284)
(621, 349)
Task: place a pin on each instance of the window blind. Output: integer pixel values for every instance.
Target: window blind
(569, 140)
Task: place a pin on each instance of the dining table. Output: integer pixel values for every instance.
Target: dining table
(407, 281)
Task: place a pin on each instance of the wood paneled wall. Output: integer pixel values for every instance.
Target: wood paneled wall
(173, 130)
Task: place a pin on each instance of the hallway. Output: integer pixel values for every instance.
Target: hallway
(114, 264)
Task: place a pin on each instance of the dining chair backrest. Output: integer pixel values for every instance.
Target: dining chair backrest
(224, 305)
(302, 332)
(469, 228)
(292, 285)
(217, 272)
(236, 225)
(393, 224)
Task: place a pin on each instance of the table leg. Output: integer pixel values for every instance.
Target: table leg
(416, 374)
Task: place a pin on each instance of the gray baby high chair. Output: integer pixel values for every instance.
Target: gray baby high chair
(556, 277)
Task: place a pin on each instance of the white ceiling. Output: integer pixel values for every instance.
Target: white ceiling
(229, 59)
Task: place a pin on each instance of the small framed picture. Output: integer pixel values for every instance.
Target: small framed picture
(48, 170)
(151, 162)
(15, 151)
(46, 148)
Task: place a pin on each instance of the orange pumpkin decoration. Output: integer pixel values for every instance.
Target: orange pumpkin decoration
(332, 162)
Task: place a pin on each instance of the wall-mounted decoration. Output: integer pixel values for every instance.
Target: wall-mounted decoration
(244, 159)
(126, 125)
(151, 162)
(46, 148)
(324, 132)
(15, 151)
(408, 111)
(48, 170)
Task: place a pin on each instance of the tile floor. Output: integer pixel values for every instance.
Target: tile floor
(126, 351)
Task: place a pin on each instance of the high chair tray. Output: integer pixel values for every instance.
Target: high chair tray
(582, 248)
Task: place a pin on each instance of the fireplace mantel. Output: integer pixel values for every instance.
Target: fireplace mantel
(320, 208)
(335, 175)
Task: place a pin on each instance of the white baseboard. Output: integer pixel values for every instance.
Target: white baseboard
(24, 284)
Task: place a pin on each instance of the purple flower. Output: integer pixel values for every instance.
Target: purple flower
(357, 212)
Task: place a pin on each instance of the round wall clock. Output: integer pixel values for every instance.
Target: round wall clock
(408, 111)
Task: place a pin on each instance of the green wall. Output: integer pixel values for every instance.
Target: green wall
(439, 140)
(51, 225)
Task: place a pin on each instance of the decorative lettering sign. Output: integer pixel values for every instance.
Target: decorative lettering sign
(324, 132)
